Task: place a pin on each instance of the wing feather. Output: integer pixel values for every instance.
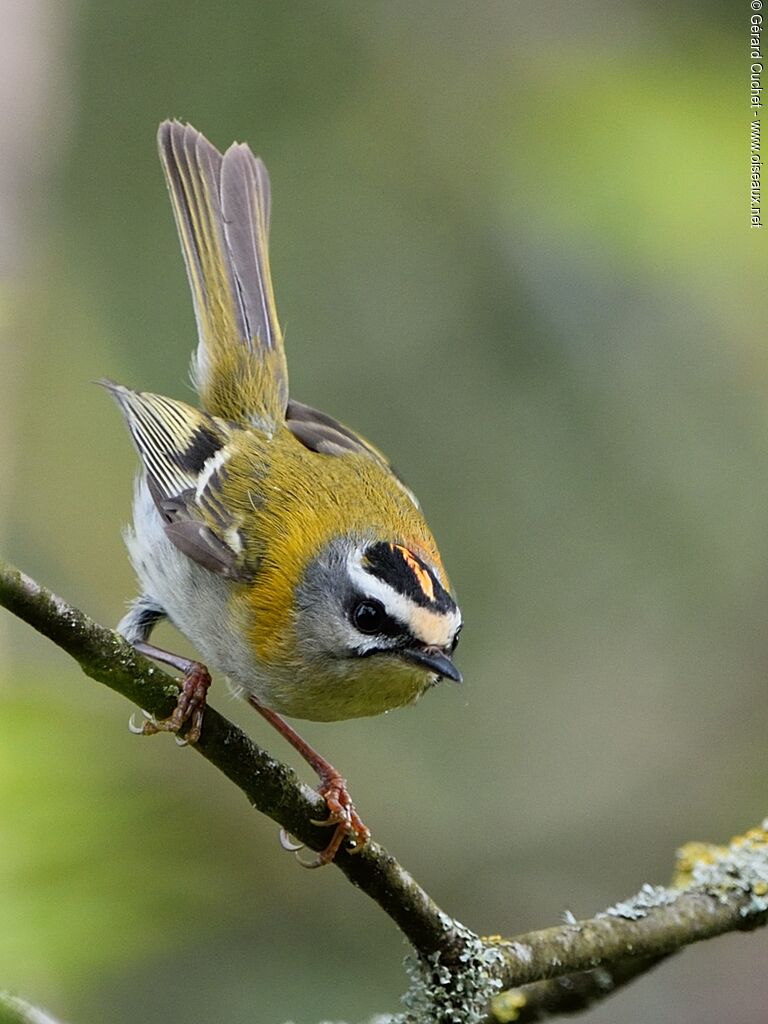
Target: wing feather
(184, 453)
(321, 433)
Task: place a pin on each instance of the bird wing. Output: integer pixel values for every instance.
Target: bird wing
(321, 433)
(184, 453)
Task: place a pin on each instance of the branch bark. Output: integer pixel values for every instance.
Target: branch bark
(457, 976)
(663, 920)
(573, 993)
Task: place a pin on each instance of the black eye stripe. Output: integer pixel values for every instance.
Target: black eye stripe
(369, 617)
(393, 628)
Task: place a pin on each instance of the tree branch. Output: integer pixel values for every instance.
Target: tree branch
(726, 891)
(573, 993)
(271, 787)
(457, 976)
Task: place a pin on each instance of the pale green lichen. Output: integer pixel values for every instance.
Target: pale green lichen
(455, 994)
(740, 868)
(649, 898)
(441, 994)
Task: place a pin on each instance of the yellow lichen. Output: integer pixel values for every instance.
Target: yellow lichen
(691, 854)
(506, 1006)
(742, 866)
(757, 835)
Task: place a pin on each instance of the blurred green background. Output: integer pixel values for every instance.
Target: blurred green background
(511, 245)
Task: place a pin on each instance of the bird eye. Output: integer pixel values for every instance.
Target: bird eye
(369, 616)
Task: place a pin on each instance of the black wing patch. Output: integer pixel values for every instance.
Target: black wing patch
(184, 453)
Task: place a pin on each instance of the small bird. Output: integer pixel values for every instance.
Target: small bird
(282, 544)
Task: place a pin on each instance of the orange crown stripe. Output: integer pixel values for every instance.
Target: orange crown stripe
(422, 576)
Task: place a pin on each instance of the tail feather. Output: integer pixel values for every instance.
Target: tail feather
(245, 200)
(221, 205)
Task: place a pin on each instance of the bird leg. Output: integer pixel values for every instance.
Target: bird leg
(190, 705)
(342, 815)
(196, 680)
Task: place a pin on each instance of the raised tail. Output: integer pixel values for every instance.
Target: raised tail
(221, 205)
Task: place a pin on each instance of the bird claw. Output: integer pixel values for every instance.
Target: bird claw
(137, 727)
(295, 847)
(342, 817)
(318, 861)
(190, 708)
(288, 843)
(329, 822)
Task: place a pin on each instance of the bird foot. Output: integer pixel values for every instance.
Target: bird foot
(342, 817)
(190, 706)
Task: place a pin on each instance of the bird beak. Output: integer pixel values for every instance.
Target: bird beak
(436, 660)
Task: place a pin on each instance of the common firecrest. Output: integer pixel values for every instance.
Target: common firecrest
(282, 544)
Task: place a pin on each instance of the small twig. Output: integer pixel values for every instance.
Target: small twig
(663, 920)
(573, 993)
(568, 968)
